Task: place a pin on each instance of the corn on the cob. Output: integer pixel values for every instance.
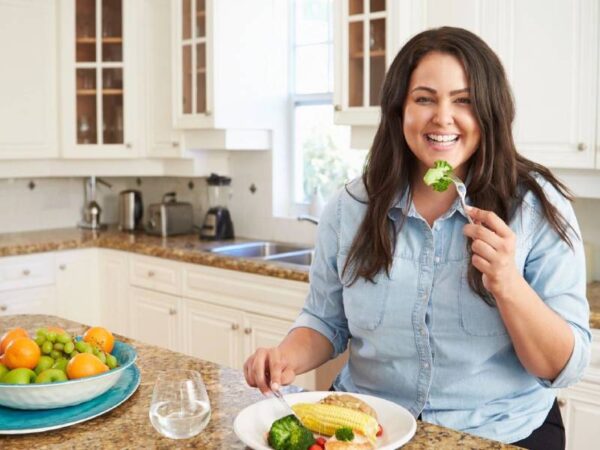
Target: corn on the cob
(325, 419)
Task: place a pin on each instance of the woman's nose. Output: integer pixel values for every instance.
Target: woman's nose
(443, 115)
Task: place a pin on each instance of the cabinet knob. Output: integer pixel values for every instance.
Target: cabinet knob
(3, 307)
(208, 112)
(562, 402)
(175, 144)
(62, 267)
(581, 146)
(337, 107)
(172, 311)
(128, 145)
(235, 326)
(150, 273)
(247, 330)
(26, 272)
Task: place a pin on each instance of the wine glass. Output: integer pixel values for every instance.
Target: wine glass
(180, 406)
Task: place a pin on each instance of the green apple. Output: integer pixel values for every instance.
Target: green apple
(111, 361)
(61, 364)
(19, 376)
(50, 376)
(3, 370)
(44, 363)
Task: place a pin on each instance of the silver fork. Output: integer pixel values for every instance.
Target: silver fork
(462, 193)
(282, 400)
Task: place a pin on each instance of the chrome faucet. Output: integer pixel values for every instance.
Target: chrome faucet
(311, 219)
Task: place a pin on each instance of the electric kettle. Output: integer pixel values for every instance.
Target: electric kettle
(131, 210)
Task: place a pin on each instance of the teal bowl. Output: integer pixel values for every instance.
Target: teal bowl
(70, 392)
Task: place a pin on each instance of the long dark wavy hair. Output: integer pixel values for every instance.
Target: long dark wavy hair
(499, 175)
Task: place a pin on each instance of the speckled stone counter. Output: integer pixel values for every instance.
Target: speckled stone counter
(593, 294)
(187, 248)
(128, 426)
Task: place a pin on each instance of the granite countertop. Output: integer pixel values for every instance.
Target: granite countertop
(128, 425)
(187, 248)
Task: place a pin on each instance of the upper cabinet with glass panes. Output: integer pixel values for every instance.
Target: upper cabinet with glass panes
(98, 72)
(223, 69)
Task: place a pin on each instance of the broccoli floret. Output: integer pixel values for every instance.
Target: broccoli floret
(288, 433)
(344, 434)
(300, 439)
(438, 176)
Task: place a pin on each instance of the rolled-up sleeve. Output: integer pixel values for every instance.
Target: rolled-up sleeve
(323, 309)
(557, 273)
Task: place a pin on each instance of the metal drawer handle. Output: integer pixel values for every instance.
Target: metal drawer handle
(26, 272)
(172, 311)
(562, 402)
(175, 144)
(62, 267)
(3, 307)
(581, 146)
(247, 330)
(150, 273)
(235, 326)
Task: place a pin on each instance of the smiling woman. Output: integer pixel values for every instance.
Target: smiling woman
(447, 318)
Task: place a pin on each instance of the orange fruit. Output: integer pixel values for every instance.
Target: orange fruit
(9, 336)
(22, 352)
(85, 365)
(101, 338)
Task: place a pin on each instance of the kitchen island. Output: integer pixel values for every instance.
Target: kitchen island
(128, 426)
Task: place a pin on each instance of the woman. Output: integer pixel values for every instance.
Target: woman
(466, 325)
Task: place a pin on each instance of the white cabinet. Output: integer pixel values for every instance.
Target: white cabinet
(28, 86)
(39, 300)
(77, 285)
(99, 78)
(222, 81)
(213, 333)
(550, 51)
(164, 141)
(113, 289)
(154, 318)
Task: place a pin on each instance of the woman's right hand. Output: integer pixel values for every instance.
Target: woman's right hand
(268, 368)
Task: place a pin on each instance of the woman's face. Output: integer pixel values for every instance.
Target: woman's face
(439, 122)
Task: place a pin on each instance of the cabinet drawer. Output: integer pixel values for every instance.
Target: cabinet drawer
(39, 300)
(156, 274)
(18, 272)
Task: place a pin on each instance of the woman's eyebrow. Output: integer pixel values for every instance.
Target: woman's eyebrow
(433, 91)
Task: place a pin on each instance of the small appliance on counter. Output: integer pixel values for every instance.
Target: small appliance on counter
(170, 217)
(91, 210)
(131, 210)
(217, 223)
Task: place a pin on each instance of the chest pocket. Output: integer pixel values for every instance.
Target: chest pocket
(364, 301)
(477, 318)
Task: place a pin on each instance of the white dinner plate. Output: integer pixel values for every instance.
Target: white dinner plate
(254, 422)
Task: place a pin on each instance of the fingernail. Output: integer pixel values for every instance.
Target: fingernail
(275, 386)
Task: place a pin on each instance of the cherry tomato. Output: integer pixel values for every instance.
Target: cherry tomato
(379, 430)
(321, 441)
(315, 447)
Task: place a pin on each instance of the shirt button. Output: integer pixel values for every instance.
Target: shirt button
(423, 331)
(437, 259)
(426, 365)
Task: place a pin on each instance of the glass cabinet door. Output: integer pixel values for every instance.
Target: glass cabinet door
(99, 72)
(193, 57)
(366, 31)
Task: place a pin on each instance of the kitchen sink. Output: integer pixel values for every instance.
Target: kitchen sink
(302, 258)
(257, 249)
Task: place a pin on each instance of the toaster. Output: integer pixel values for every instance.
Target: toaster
(170, 217)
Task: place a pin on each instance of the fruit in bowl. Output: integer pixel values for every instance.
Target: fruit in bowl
(54, 369)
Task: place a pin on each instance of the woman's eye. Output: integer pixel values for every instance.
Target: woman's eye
(422, 99)
(464, 100)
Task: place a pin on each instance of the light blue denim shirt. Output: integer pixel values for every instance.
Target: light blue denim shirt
(423, 339)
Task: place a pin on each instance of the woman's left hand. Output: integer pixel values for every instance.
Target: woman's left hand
(493, 249)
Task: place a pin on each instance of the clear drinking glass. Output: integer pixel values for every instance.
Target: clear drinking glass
(180, 406)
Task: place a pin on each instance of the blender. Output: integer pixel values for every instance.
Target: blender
(217, 223)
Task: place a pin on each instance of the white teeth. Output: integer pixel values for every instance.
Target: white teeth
(443, 137)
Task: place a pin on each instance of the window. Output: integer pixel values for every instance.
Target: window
(323, 158)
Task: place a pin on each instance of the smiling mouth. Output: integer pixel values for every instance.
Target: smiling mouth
(444, 140)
